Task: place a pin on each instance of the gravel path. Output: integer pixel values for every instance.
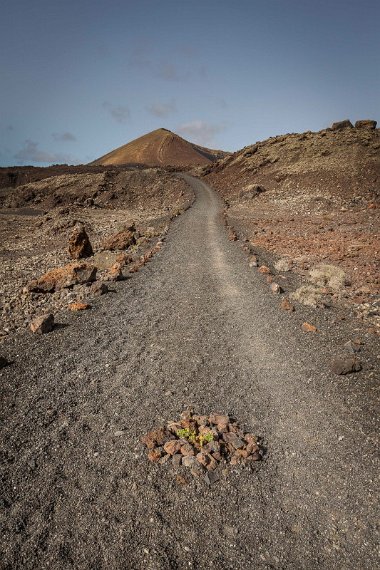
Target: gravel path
(196, 326)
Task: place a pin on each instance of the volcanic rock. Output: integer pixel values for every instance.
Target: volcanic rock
(98, 288)
(172, 447)
(43, 324)
(78, 306)
(341, 125)
(121, 240)
(156, 437)
(64, 277)
(114, 273)
(155, 455)
(276, 288)
(366, 124)
(352, 346)
(345, 364)
(79, 243)
(201, 443)
(188, 460)
(286, 305)
(307, 327)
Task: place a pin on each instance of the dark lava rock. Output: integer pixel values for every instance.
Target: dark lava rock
(341, 125)
(345, 364)
(211, 477)
(366, 124)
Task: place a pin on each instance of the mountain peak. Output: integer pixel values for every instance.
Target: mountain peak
(160, 148)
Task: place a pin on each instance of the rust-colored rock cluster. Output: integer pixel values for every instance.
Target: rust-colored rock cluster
(202, 443)
(75, 273)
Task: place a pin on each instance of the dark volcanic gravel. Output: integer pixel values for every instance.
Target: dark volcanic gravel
(194, 327)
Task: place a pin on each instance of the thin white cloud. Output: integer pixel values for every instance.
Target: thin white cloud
(120, 113)
(31, 153)
(162, 109)
(64, 137)
(200, 132)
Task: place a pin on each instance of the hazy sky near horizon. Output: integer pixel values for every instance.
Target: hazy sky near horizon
(82, 77)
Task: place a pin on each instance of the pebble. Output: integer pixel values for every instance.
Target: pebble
(342, 365)
(286, 305)
(211, 477)
(307, 327)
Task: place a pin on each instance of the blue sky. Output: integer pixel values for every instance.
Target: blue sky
(82, 77)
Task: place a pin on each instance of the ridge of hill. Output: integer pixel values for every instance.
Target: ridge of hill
(160, 148)
(343, 161)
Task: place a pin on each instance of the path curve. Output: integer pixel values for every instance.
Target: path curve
(195, 326)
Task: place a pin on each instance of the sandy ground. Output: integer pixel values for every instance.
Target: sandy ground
(196, 326)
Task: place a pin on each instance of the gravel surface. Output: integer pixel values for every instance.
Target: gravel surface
(195, 327)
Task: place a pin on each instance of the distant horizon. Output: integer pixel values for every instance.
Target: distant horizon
(87, 76)
(197, 144)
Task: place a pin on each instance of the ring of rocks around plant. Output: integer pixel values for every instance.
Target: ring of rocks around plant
(202, 444)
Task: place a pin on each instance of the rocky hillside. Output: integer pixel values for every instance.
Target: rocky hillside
(311, 198)
(160, 148)
(334, 162)
(125, 215)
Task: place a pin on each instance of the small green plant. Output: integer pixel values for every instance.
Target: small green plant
(192, 436)
(205, 437)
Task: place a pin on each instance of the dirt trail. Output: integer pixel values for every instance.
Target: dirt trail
(195, 326)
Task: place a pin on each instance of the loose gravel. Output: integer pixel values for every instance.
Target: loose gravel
(195, 327)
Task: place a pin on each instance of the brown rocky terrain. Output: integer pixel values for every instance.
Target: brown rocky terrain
(311, 198)
(38, 233)
(160, 148)
(12, 176)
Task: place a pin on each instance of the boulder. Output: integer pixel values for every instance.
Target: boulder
(79, 243)
(43, 324)
(342, 125)
(121, 240)
(367, 124)
(3, 362)
(64, 277)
